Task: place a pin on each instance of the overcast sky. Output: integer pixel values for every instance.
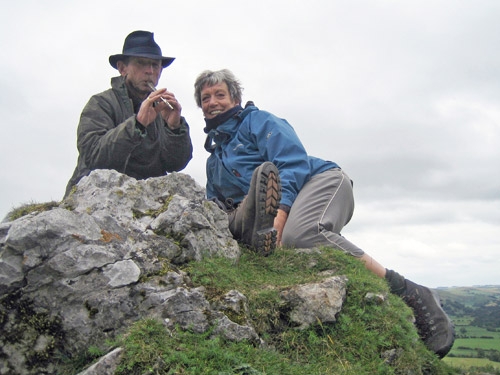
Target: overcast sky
(403, 95)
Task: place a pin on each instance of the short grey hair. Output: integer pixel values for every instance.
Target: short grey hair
(210, 78)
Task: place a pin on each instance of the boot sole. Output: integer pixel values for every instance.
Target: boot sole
(267, 201)
(265, 241)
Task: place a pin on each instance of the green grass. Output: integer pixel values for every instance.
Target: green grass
(352, 345)
(474, 352)
(470, 342)
(475, 331)
(27, 208)
(474, 338)
(477, 343)
(466, 363)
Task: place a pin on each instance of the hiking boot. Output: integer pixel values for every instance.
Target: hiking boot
(434, 326)
(252, 221)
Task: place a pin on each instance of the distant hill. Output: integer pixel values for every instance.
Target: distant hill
(480, 303)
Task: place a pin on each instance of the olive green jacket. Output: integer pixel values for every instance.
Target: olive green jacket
(109, 137)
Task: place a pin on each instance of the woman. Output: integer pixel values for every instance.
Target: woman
(317, 198)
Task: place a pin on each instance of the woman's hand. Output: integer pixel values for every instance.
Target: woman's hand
(279, 224)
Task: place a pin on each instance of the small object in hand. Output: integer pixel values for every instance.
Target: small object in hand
(163, 99)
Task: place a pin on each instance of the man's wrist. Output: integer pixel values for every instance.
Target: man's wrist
(177, 127)
(139, 128)
(171, 127)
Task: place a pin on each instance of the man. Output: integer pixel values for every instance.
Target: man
(133, 128)
(252, 153)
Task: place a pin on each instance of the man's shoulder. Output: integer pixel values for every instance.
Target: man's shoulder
(113, 92)
(106, 100)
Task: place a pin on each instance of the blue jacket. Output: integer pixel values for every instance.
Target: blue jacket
(244, 142)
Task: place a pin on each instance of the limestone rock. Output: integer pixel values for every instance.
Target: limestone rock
(316, 302)
(108, 256)
(81, 273)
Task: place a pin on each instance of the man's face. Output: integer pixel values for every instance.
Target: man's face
(216, 100)
(140, 71)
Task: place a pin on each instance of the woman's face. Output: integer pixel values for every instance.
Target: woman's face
(216, 100)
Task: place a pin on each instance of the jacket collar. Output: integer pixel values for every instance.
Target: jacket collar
(118, 85)
(213, 123)
(227, 129)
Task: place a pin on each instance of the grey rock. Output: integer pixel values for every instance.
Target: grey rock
(374, 298)
(106, 365)
(82, 273)
(108, 256)
(122, 273)
(315, 302)
(390, 356)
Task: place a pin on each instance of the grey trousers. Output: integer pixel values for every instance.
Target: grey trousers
(322, 208)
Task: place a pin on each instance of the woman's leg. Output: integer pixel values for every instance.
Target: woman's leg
(322, 209)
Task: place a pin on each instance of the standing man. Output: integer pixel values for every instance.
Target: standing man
(132, 127)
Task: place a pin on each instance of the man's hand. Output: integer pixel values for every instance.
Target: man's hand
(171, 113)
(279, 224)
(163, 102)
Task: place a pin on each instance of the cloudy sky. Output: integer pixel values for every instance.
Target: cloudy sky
(404, 95)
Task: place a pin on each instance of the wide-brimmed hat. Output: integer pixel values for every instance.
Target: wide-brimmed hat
(141, 44)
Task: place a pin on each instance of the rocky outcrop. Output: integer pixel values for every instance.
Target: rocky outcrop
(108, 256)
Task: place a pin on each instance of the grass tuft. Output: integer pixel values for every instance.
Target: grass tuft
(355, 344)
(28, 208)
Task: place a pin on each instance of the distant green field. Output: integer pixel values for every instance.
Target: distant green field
(486, 344)
(474, 305)
(462, 321)
(470, 362)
(475, 340)
(474, 331)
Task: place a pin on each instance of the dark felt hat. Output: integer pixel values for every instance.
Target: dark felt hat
(141, 44)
